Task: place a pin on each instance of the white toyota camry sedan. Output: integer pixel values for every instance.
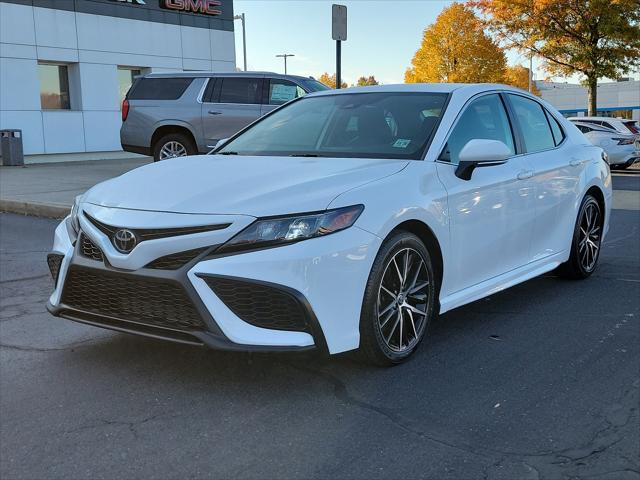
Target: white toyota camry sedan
(343, 220)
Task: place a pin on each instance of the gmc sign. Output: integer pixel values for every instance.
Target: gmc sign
(207, 7)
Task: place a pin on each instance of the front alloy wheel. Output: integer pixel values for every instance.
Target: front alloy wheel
(402, 300)
(399, 301)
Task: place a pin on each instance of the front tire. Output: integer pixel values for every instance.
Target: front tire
(399, 301)
(587, 237)
(173, 145)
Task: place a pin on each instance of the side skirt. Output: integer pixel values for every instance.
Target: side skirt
(501, 282)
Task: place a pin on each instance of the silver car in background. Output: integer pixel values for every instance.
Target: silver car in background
(170, 115)
(622, 149)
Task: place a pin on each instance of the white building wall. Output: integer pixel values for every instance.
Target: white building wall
(611, 96)
(93, 46)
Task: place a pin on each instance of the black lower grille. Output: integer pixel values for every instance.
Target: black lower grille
(54, 260)
(175, 260)
(259, 304)
(146, 300)
(90, 249)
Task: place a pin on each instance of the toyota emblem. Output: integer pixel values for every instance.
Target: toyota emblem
(124, 240)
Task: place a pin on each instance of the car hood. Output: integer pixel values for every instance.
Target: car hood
(257, 186)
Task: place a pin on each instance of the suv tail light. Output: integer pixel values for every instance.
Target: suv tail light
(125, 109)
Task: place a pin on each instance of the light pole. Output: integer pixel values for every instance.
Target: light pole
(244, 39)
(285, 55)
(530, 72)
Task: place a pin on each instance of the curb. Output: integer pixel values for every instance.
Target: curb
(35, 209)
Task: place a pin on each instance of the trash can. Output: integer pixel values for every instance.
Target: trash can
(11, 147)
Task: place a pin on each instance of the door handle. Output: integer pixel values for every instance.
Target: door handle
(523, 175)
(213, 112)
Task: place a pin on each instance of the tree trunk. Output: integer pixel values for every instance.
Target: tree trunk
(592, 85)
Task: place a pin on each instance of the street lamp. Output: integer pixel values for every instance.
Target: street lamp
(285, 55)
(244, 39)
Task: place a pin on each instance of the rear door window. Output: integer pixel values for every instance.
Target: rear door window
(159, 88)
(240, 90)
(556, 129)
(533, 124)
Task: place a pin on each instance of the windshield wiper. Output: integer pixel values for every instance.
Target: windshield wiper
(305, 155)
(227, 153)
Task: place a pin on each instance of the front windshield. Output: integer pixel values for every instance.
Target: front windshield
(367, 125)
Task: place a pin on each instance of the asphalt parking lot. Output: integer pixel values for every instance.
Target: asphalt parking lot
(540, 381)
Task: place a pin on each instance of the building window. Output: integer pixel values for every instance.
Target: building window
(126, 76)
(54, 87)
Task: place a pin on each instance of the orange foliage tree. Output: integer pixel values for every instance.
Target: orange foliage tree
(593, 38)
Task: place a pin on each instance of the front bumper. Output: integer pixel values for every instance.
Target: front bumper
(324, 278)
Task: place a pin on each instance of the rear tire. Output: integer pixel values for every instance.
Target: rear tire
(173, 145)
(587, 237)
(399, 302)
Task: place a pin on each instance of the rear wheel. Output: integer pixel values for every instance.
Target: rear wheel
(587, 237)
(173, 145)
(399, 301)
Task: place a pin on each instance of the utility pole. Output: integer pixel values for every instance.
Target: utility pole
(285, 55)
(244, 39)
(530, 72)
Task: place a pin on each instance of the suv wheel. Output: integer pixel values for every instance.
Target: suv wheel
(173, 145)
(399, 301)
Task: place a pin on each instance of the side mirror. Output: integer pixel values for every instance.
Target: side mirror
(481, 153)
(220, 142)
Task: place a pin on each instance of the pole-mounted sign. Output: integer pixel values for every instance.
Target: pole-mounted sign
(339, 34)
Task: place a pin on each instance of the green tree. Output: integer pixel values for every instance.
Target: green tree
(592, 38)
(456, 49)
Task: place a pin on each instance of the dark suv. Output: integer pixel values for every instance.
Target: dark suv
(175, 114)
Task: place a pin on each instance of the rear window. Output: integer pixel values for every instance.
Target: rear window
(159, 88)
(240, 90)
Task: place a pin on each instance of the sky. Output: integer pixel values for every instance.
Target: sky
(382, 37)
(381, 40)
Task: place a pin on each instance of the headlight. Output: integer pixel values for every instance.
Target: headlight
(73, 224)
(294, 228)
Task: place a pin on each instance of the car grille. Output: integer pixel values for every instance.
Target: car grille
(260, 305)
(54, 260)
(145, 300)
(153, 233)
(175, 260)
(90, 249)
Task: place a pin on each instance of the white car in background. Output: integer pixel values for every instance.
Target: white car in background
(620, 125)
(342, 220)
(622, 150)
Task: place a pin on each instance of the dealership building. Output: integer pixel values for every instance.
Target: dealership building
(65, 65)
(614, 99)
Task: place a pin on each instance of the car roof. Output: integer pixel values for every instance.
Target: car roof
(593, 118)
(595, 128)
(223, 74)
(471, 88)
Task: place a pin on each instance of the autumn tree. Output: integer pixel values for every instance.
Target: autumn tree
(518, 76)
(456, 49)
(592, 38)
(330, 80)
(366, 81)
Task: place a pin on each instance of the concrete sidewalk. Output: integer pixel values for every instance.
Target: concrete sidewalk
(48, 190)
